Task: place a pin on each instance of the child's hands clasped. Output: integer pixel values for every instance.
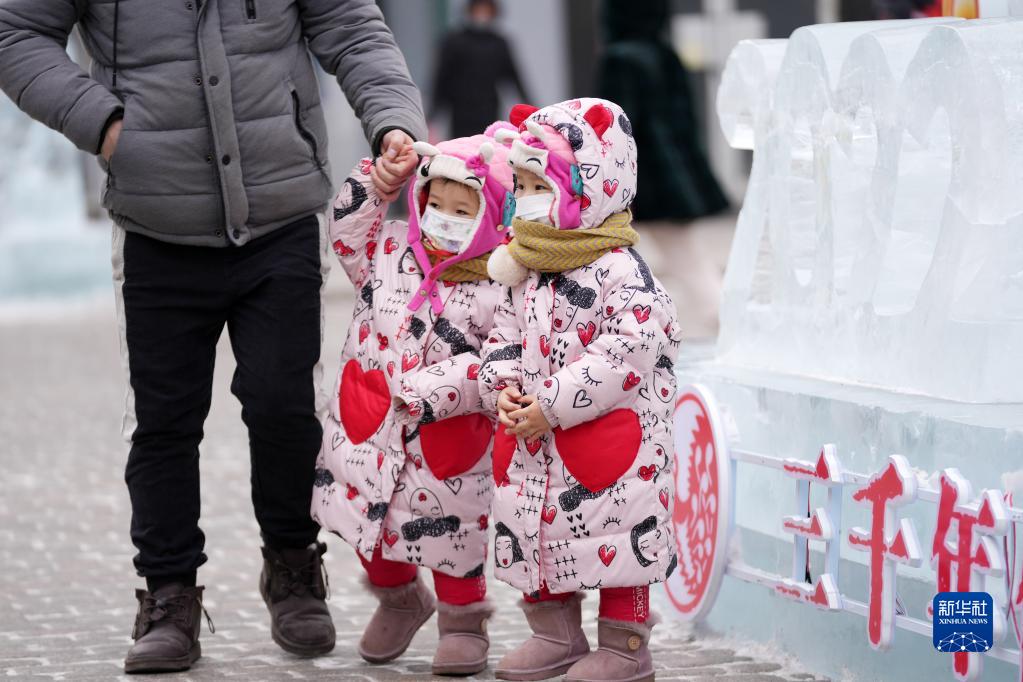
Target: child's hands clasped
(521, 414)
(396, 163)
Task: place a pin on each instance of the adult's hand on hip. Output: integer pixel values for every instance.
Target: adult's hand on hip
(396, 163)
(110, 140)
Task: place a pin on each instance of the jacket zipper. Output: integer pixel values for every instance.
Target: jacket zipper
(250, 9)
(305, 134)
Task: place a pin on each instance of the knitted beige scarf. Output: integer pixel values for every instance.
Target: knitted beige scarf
(540, 247)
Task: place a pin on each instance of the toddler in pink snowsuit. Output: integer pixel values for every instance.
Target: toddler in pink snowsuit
(404, 470)
(579, 367)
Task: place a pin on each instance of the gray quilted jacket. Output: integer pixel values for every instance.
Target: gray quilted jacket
(224, 138)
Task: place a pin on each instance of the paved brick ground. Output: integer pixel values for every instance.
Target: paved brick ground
(66, 580)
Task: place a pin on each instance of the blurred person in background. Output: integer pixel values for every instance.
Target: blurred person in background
(206, 116)
(474, 62)
(907, 9)
(640, 70)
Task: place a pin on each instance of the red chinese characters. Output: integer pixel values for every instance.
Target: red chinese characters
(892, 487)
(964, 544)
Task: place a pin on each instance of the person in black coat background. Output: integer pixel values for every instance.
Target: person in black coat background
(474, 62)
(640, 71)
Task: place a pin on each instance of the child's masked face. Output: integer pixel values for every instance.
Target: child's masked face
(450, 215)
(534, 198)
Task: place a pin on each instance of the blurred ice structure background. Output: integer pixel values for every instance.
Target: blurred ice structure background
(48, 248)
(873, 298)
(881, 238)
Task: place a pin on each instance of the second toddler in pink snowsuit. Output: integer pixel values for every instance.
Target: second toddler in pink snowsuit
(581, 365)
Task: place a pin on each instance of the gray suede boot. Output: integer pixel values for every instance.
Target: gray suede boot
(464, 644)
(558, 641)
(401, 612)
(623, 654)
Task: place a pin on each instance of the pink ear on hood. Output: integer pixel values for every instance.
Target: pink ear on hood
(600, 118)
(520, 112)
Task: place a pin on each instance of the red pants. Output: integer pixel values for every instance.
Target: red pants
(450, 590)
(616, 603)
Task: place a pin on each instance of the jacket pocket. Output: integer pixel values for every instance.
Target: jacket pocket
(249, 8)
(453, 446)
(303, 131)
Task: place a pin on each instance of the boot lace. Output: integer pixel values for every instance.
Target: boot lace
(298, 580)
(175, 609)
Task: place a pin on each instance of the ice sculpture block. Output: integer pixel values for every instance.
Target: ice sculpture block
(872, 311)
(747, 85)
(881, 238)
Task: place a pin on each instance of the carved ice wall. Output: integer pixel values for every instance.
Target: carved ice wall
(881, 236)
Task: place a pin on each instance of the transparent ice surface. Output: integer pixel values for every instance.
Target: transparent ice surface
(881, 238)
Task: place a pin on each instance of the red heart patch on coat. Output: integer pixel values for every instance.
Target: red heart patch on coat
(341, 249)
(647, 472)
(390, 537)
(631, 381)
(391, 245)
(607, 554)
(533, 445)
(548, 514)
(409, 360)
(642, 313)
(363, 401)
(504, 450)
(599, 452)
(545, 346)
(390, 368)
(380, 460)
(382, 341)
(584, 202)
(473, 372)
(610, 186)
(371, 249)
(363, 331)
(482, 522)
(586, 332)
(453, 446)
(352, 492)
(663, 497)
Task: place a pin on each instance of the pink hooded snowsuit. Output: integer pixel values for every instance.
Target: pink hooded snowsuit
(416, 481)
(588, 505)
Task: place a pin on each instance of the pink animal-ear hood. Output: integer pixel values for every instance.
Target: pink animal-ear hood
(481, 164)
(585, 149)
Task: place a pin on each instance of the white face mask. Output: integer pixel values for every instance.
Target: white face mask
(448, 232)
(535, 207)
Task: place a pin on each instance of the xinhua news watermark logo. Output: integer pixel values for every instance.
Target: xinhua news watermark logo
(963, 622)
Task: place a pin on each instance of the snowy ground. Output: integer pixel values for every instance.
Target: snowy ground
(67, 579)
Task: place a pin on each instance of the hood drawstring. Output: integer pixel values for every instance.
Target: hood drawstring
(117, 7)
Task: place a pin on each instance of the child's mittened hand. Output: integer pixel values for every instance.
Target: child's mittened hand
(530, 422)
(508, 401)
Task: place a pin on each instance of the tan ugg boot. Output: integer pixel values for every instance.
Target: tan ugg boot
(464, 644)
(622, 655)
(400, 614)
(558, 641)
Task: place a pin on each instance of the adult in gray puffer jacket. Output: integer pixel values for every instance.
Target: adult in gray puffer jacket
(206, 115)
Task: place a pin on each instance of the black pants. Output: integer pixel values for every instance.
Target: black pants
(177, 300)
